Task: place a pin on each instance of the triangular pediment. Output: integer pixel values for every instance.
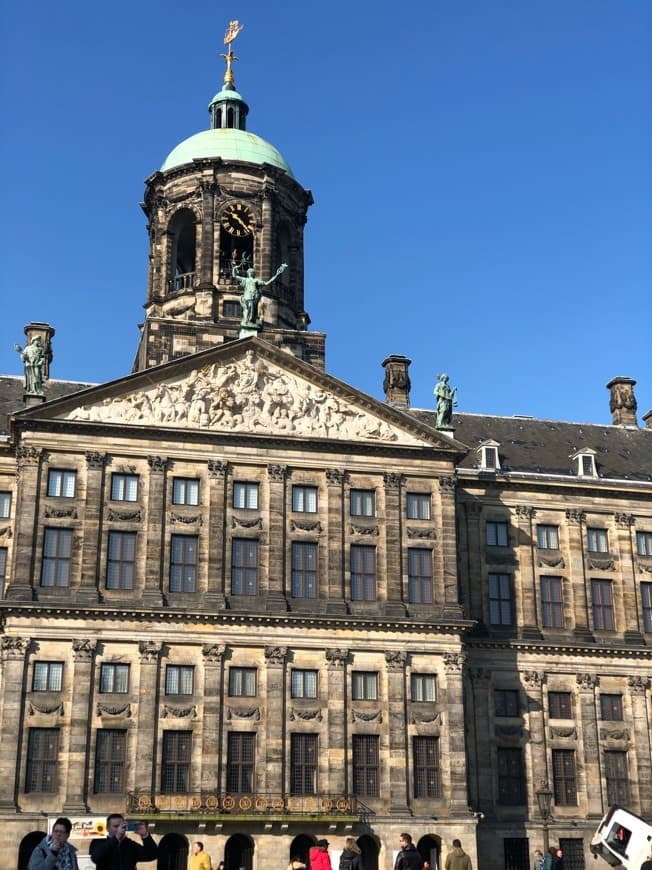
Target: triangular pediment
(244, 387)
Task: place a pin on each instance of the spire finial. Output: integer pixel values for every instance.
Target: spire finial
(232, 31)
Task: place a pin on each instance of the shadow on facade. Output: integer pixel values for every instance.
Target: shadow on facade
(173, 852)
(239, 853)
(27, 845)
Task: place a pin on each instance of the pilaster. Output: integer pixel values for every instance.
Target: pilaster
(338, 763)
(206, 245)
(394, 606)
(335, 481)
(217, 476)
(13, 651)
(275, 657)
(446, 574)
(88, 592)
(398, 748)
(276, 523)
(587, 684)
(627, 614)
(148, 693)
(533, 683)
(154, 573)
(575, 525)
(454, 668)
(79, 732)
(638, 688)
(528, 597)
(28, 463)
(213, 655)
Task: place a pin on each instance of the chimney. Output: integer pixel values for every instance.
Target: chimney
(622, 402)
(647, 419)
(397, 381)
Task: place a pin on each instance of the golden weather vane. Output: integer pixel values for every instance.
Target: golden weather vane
(232, 31)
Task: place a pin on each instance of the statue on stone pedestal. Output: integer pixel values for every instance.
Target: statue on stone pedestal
(33, 357)
(445, 397)
(251, 294)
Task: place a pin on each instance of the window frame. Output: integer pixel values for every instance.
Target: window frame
(240, 762)
(418, 506)
(364, 685)
(299, 680)
(564, 777)
(115, 669)
(602, 605)
(302, 494)
(644, 543)
(365, 765)
(363, 572)
(557, 701)
(53, 676)
(547, 536)
(421, 685)
(176, 758)
(247, 489)
(121, 569)
(304, 569)
(57, 566)
(497, 533)
(304, 768)
(362, 502)
(552, 601)
(507, 703)
(611, 707)
(179, 680)
(426, 767)
(184, 559)
(110, 761)
(5, 504)
(500, 600)
(510, 776)
(43, 763)
(243, 682)
(646, 606)
(597, 539)
(244, 567)
(121, 487)
(420, 575)
(185, 491)
(58, 480)
(617, 778)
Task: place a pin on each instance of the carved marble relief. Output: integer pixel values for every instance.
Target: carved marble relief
(248, 395)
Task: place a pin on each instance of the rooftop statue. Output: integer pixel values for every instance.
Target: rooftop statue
(34, 360)
(445, 397)
(251, 294)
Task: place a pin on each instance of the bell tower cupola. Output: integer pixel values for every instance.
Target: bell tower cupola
(226, 222)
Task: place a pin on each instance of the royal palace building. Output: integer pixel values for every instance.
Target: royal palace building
(251, 605)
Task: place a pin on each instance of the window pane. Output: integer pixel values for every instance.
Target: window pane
(597, 540)
(5, 504)
(564, 781)
(551, 602)
(240, 757)
(366, 765)
(646, 600)
(183, 563)
(124, 487)
(643, 543)
(364, 686)
(42, 760)
(110, 754)
(500, 599)
(602, 605)
(548, 537)
(427, 773)
(497, 534)
(418, 506)
(244, 566)
(57, 546)
(511, 785)
(362, 503)
(185, 491)
(423, 687)
(303, 764)
(304, 570)
(121, 560)
(611, 707)
(363, 573)
(175, 768)
(559, 704)
(304, 499)
(419, 576)
(245, 495)
(47, 676)
(114, 678)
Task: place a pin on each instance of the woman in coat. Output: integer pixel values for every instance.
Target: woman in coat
(54, 852)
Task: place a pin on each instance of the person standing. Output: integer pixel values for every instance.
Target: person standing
(54, 852)
(538, 860)
(119, 852)
(351, 857)
(199, 860)
(457, 859)
(408, 858)
(647, 864)
(319, 857)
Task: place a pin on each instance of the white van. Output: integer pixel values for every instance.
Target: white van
(623, 839)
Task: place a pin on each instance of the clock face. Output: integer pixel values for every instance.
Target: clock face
(237, 220)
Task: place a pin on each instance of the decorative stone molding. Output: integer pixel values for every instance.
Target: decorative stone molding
(602, 564)
(305, 715)
(243, 713)
(301, 526)
(158, 463)
(336, 657)
(213, 652)
(125, 516)
(447, 485)
(275, 655)
(27, 455)
(420, 533)
(638, 685)
(395, 659)
(532, 679)
(170, 712)
(575, 517)
(110, 710)
(6, 531)
(359, 716)
(239, 523)
(369, 531)
(148, 651)
(60, 512)
(83, 650)
(646, 567)
(550, 561)
(426, 718)
(587, 682)
(14, 648)
(525, 512)
(564, 733)
(624, 521)
(616, 734)
(217, 469)
(46, 709)
(454, 662)
(277, 472)
(95, 459)
(392, 480)
(187, 520)
(335, 476)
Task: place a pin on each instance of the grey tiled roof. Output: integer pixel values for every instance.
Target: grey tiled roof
(11, 395)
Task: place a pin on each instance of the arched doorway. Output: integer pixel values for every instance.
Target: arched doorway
(300, 848)
(370, 848)
(172, 853)
(27, 845)
(429, 847)
(239, 853)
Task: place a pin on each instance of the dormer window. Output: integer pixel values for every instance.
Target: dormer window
(489, 458)
(585, 460)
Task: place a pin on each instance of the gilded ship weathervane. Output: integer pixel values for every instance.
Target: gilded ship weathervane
(232, 31)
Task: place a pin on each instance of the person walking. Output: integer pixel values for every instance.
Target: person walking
(457, 859)
(351, 857)
(319, 857)
(408, 858)
(54, 852)
(199, 860)
(119, 852)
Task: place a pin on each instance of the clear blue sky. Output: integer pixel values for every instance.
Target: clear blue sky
(481, 173)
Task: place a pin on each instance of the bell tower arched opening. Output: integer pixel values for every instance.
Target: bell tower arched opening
(183, 251)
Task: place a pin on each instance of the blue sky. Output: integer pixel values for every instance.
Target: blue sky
(481, 173)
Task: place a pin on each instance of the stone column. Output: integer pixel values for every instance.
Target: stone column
(80, 725)
(265, 235)
(275, 718)
(275, 547)
(480, 773)
(217, 473)
(533, 682)
(642, 741)
(146, 741)
(335, 540)
(527, 619)
(338, 741)
(28, 461)
(88, 592)
(213, 676)
(446, 568)
(13, 650)
(587, 684)
(454, 668)
(394, 606)
(205, 249)
(398, 741)
(154, 569)
(627, 604)
(475, 567)
(575, 523)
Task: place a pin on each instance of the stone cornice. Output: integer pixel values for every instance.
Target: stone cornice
(556, 648)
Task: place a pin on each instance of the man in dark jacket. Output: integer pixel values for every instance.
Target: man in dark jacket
(408, 858)
(119, 852)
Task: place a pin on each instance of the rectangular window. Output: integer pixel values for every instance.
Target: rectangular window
(511, 782)
(564, 777)
(602, 605)
(363, 503)
(423, 687)
(497, 534)
(366, 765)
(179, 679)
(245, 495)
(124, 487)
(48, 677)
(617, 777)
(363, 573)
(183, 563)
(61, 483)
(304, 570)
(646, 601)
(419, 576)
(231, 309)
(114, 678)
(548, 537)
(418, 506)
(175, 766)
(185, 490)
(304, 499)
(427, 771)
(121, 560)
(303, 764)
(244, 566)
(42, 760)
(5, 505)
(303, 684)
(240, 757)
(364, 686)
(57, 548)
(242, 682)
(560, 705)
(552, 605)
(573, 849)
(611, 707)
(517, 853)
(643, 542)
(506, 702)
(597, 541)
(110, 754)
(500, 599)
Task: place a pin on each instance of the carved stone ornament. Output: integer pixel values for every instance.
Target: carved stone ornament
(334, 476)
(646, 567)
(533, 679)
(369, 531)
(587, 682)
(46, 709)
(111, 710)
(336, 657)
(6, 531)
(243, 713)
(277, 472)
(213, 652)
(638, 685)
(395, 659)
(447, 485)
(240, 523)
(148, 651)
(14, 647)
(275, 655)
(602, 564)
(359, 716)
(170, 712)
(60, 513)
(305, 715)
(551, 562)
(454, 662)
(392, 480)
(125, 516)
(83, 649)
(27, 455)
(525, 512)
(217, 469)
(420, 533)
(300, 526)
(618, 734)
(624, 521)
(574, 517)
(94, 459)
(564, 733)
(427, 718)
(247, 395)
(157, 463)
(186, 520)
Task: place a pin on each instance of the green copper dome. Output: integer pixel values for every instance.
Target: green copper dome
(229, 144)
